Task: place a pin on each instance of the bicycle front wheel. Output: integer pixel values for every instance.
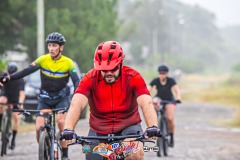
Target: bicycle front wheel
(159, 140)
(165, 140)
(5, 134)
(44, 146)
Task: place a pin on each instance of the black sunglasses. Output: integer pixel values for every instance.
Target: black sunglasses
(112, 71)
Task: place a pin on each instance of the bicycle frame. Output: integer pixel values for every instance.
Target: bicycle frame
(49, 126)
(163, 142)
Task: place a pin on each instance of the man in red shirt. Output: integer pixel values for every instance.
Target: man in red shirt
(114, 92)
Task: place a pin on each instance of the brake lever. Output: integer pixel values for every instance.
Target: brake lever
(83, 142)
(63, 111)
(151, 141)
(26, 114)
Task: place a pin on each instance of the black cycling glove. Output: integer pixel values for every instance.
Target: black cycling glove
(68, 134)
(152, 131)
(4, 79)
(178, 101)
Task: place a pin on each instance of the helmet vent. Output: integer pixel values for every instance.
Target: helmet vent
(110, 57)
(99, 47)
(120, 54)
(113, 47)
(100, 57)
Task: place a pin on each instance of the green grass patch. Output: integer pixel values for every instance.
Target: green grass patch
(221, 89)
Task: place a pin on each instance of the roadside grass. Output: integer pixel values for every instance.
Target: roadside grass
(26, 127)
(221, 89)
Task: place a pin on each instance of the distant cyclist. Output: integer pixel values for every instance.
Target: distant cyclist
(55, 72)
(167, 89)
(12, 93)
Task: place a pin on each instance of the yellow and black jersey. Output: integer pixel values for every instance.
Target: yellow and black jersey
(54, 73)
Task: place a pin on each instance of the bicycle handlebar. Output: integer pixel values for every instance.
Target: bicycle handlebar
(111, 138)
(12, 103)
(162, 102)
(28, 112)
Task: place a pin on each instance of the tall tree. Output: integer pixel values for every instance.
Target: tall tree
(84, 24)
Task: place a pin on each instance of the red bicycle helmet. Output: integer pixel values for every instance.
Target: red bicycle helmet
(108, 55)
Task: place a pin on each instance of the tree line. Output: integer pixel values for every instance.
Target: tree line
(84, 24)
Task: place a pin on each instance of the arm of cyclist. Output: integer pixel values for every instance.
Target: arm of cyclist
(78, 103)
(149, 87)
(75, 79)
(176, 92)
(150, 116)
(30, 69)
(21, 99)
(21, 94)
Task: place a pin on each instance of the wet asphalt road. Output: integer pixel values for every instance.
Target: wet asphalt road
(198, 137)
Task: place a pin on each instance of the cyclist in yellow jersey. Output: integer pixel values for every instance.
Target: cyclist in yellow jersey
(55, 72)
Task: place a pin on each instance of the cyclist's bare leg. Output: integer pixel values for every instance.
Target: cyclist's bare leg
(138, 153)
(170, 111)
(3, 99)
(60, 123)
(39, 123)
(14, 128)
(15, 121)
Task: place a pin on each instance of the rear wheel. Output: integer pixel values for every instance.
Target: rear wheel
(44, 146)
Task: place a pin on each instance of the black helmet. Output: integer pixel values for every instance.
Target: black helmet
(163, 68)
(55, 37)
(12, 67)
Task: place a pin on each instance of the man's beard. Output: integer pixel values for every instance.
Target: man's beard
(110, 76)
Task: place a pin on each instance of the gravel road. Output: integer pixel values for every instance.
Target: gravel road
(198, 137)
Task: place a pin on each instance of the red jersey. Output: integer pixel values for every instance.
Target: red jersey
(113, 107)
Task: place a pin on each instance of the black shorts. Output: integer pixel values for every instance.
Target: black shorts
(11, 100)
(131, 130)
(46, 103)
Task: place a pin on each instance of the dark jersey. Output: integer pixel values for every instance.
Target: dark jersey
(164, 91)
(12, 88)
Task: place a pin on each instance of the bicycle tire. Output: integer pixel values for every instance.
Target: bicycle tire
(159, 140)
(44, 151)
(5, 134)
(164, 130)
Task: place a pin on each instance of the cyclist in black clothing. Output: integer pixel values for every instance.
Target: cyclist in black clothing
(13, 92)
(167, 89)
(55, 72)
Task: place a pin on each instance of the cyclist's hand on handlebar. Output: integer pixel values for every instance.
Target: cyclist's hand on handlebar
(178, 101)
(152, 132)
(68, 135)
(20, 106)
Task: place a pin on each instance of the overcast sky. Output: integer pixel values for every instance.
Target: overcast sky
(227, 11)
